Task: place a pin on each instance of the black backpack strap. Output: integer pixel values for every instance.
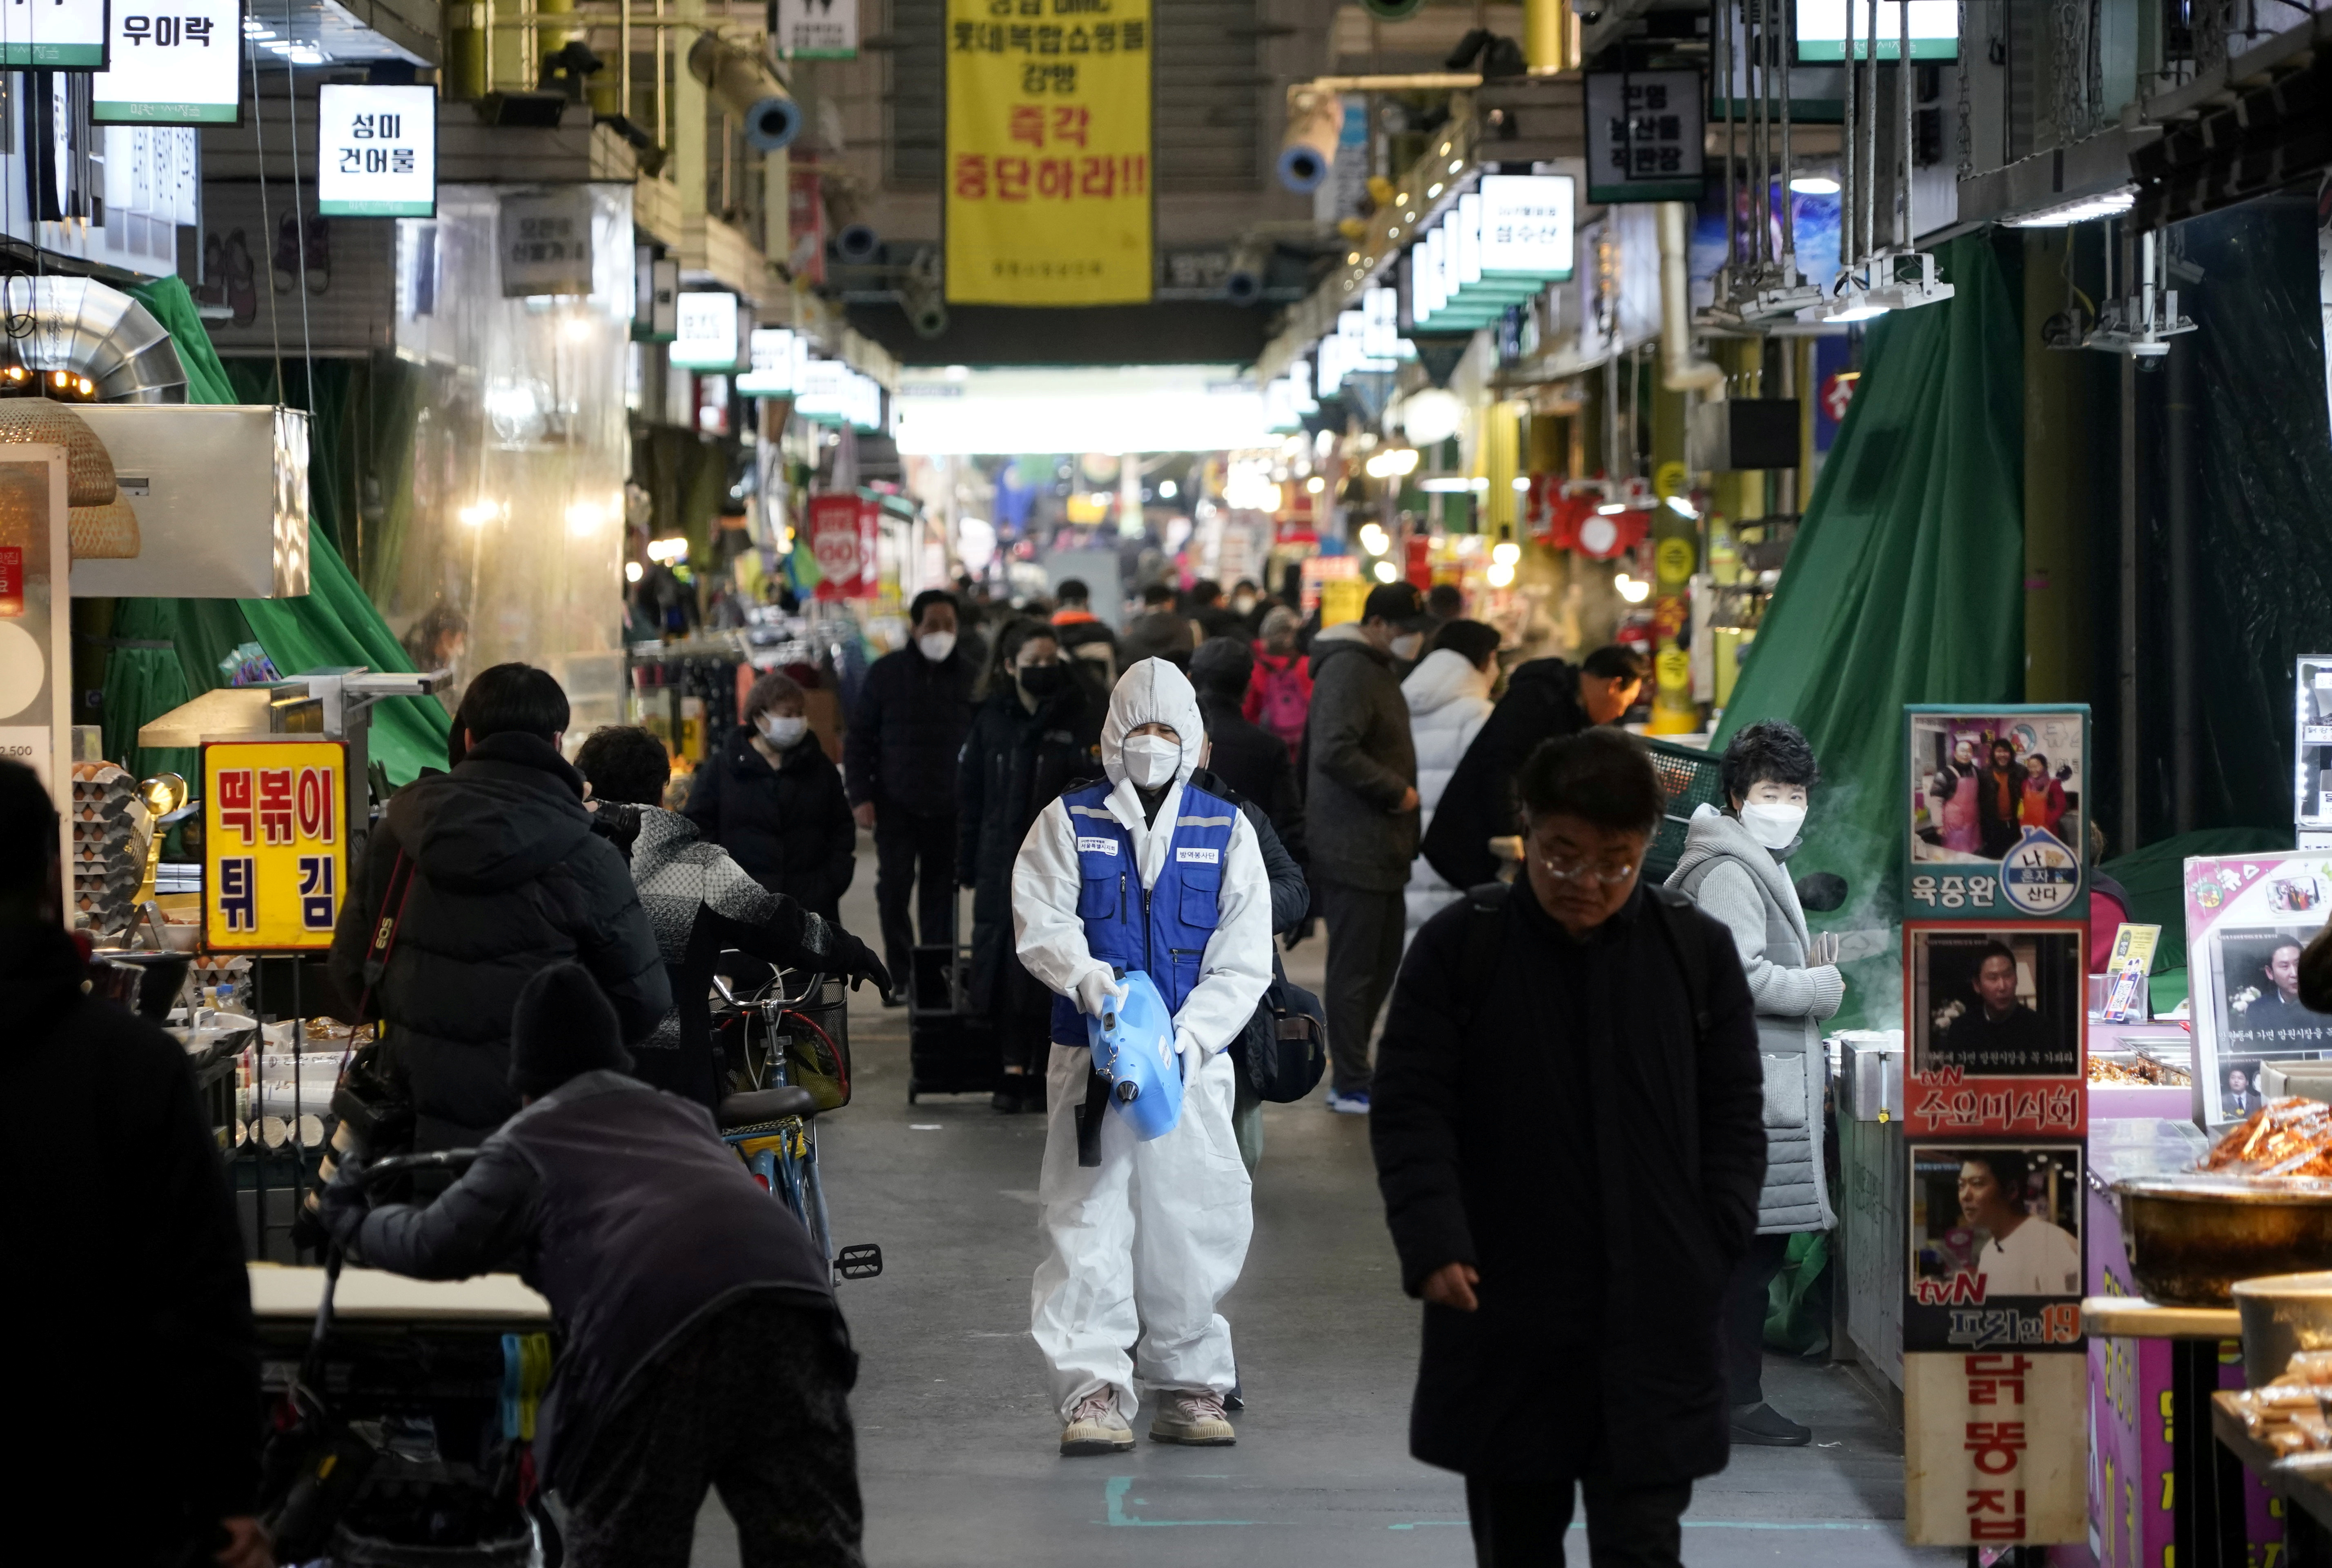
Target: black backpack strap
(1688, 939)
(1486, 910)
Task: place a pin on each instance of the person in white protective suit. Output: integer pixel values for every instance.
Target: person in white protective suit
(1143, 871)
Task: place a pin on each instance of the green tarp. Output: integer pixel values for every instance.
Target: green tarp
(1905, 584)
(334, 623)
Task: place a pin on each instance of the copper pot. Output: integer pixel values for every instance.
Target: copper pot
(2191, 1237)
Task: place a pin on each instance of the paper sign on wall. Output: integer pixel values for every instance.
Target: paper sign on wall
(171, 62)
(376, 151)
(815, 29)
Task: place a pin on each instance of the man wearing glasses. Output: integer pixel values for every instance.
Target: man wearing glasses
(1568, 1136)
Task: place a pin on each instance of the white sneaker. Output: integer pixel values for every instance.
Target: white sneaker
(1095, 1426)
(1355, 1104)
(1191, 1416)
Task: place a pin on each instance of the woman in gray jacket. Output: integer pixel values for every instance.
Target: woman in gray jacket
(1732, 865)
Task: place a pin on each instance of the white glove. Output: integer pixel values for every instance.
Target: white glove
(1096, 990)
(1187, 1045)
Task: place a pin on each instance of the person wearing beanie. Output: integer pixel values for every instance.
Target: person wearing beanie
(700, 903)
(697, 1316)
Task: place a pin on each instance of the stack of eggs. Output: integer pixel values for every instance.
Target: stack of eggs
(104, 525)
(110, 828)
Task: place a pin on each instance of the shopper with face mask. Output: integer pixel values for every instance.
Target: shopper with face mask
(774, 800)
(1733, 866)
(1035, 734)
(1359, 772)
(913, 709)
(1143, 870)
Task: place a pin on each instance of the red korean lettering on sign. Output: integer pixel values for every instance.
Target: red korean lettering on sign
(315, 804)
(1996, 1514)
(275, 805)
(12, 581)
(1997, 1379)
(234, 803)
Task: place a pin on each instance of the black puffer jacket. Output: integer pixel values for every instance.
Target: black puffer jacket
(508, 878)
(907, 729)
(624, 1208)
(1479, 802)
(1253, 762)
(787, 826)
(1014, 762)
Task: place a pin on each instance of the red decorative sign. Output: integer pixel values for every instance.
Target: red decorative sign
(842, 537)
(1996, 1020)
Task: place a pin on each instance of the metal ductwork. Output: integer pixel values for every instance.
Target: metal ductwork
(1315, 122)
(746, 84)
(84, 327)
(856, 240)
(1680, 369)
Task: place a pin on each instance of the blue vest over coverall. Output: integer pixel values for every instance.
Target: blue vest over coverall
(1162, 932)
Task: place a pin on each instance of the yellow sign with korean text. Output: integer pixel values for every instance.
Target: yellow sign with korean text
(1048, 158)
(274, 861)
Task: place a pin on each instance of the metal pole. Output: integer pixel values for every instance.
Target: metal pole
(1789, 217)
(1870, 138)
(624, 51)
(1721, 16)
(1850, 190)
(2178, 449)
(2127, 629)
(1903, 80)
(1753, 61)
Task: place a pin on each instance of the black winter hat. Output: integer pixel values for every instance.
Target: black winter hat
(563, 1025)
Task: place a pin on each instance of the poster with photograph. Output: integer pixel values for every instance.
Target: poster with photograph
(1998, 812)
(2248, 919)
(1997, 1018)
(1995, 1241)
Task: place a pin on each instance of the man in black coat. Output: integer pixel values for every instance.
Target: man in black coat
(899, 765)
(137, 1339)
(491, 872)
(1568, 1136)
(1545, 699)
(697, 1317)
(1037, 732)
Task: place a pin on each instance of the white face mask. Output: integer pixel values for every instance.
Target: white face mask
(1150, 760)
(782, 733)
(936, 645)
(1404, 648)
(1773, 826)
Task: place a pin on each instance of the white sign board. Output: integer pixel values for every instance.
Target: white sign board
(1527, 225)
(706, 332)
(171, 62)
(546, 242)
(376, 151)
(1823, 24)
(778, 355)
(57, 35)
(815, 29)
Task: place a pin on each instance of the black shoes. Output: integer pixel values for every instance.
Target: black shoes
(1761, 1425)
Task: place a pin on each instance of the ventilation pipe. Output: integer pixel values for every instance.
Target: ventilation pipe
(747, 85)
(1250, 270)
(1680, 371)
(1315, 122)
(856, 240)
(81, 326)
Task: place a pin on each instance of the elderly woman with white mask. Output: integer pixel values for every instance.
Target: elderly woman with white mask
(1143, 871)
(1732, 866)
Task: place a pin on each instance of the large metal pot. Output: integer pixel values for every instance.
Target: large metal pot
(2191, 1237)
(2282, 1313)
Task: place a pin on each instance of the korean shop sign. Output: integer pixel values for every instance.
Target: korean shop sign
(1048, 152)
(815, 29)
(1644, 133)
(273, 862)
(59, 34)
(376, 151)
(545, 239)
(1525, 227)
(171, 62)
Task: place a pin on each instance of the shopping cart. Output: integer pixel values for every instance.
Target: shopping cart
(1690, 779)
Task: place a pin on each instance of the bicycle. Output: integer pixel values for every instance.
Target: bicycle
(771, 1124)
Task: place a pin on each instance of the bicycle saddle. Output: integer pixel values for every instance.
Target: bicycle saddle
(765, 1105)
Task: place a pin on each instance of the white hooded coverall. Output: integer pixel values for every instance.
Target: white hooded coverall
(1140, 1248)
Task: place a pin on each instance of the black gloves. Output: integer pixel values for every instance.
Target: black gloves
(856, 960)
(343, 1203)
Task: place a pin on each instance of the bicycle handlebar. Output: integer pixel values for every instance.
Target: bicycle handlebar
(405, 1165)
(761, 998)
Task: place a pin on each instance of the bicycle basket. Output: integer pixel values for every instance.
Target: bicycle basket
(816, 1037)
(1690, 779)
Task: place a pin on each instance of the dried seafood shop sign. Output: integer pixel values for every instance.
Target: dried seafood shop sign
(59, 34)
(376, 151)
(274, 863)
(1048, 152)
(171, 62)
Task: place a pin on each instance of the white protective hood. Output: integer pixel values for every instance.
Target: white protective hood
(1152, 692)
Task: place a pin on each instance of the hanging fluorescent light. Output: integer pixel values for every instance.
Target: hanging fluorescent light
(1634, 590)
(2104, 205)
(1814, 186)
(1386, 572)
(1681, 507)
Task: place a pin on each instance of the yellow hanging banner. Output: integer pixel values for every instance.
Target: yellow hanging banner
(1048, 160)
